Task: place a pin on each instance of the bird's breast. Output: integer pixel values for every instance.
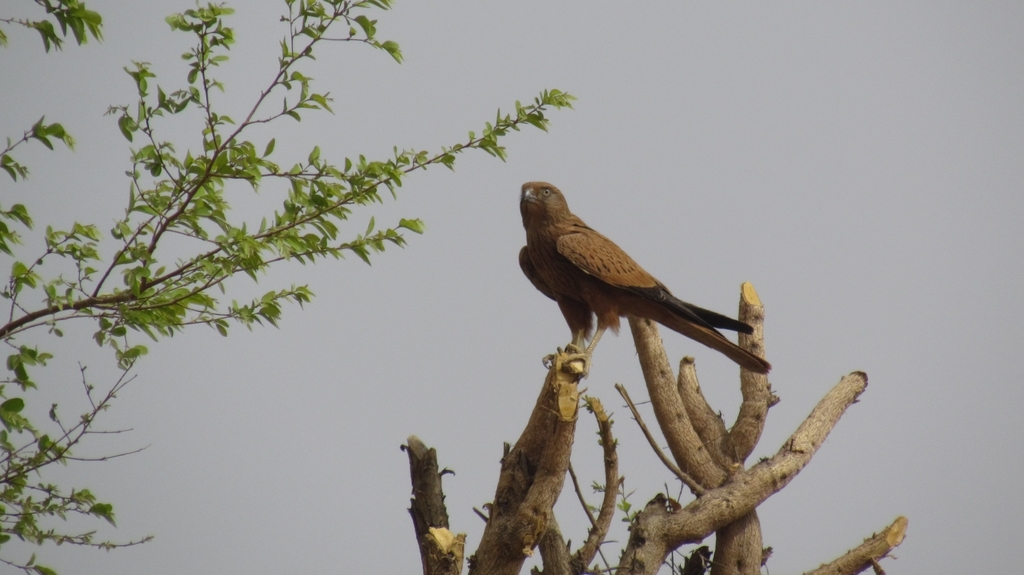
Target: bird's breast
(557, 272)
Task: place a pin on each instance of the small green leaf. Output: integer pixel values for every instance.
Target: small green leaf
(127, 126)
(393, 49)
(104, 510)
(412, 225)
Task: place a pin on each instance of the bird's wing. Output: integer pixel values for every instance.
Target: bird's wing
(526, 264)
(598, 256)
(601, 258)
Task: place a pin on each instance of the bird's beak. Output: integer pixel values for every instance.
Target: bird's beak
(527, 195)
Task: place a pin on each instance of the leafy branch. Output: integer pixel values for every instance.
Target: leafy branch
(136, 281)
(68, 14)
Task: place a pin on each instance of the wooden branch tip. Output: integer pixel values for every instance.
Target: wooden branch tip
(416, 445)
(897, 531)
(749, 294)
(598, 409)
(445, 552)
(441, 552)
(446, 541)
(868, 553)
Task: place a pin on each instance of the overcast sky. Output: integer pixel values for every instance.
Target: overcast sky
(862, 164)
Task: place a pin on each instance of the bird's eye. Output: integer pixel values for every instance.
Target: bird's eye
(547, 191)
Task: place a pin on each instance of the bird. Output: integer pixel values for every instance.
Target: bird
(588, 275)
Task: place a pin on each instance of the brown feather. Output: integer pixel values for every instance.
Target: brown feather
(588, 275)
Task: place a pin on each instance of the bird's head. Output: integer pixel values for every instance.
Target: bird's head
(540, 203)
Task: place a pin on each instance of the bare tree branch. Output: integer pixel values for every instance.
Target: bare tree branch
(554, 551)
(706, 421)
(686, 446)
(595, 538)
(580, 498)
(867, 554)
(738, 545)
(757, 392)
(441, 552)
(662, 527)
(695, 487)
(532, 475)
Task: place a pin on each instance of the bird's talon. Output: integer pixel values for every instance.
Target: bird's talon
(579, 363)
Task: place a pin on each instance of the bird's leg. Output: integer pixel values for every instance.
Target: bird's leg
(574, 348)
(594, 340)
(578, 340)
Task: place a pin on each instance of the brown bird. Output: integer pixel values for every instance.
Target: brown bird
(588, 275)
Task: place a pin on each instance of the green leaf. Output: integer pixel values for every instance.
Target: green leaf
(367, 25)
(415, 225)
(104, 510)
(127, 126)
(13, 405)
(393, 49)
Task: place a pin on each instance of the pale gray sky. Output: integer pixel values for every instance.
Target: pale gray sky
(861, 163)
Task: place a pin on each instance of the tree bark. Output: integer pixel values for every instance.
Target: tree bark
(706, 421)
(738, 545)
(683, 442)
(867, 554)
(532, 475)
(441, 552)
(599, 529)
(757, 392)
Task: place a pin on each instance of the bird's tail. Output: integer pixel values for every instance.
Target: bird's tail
(716, 320)
(717, 342)
(697, 327)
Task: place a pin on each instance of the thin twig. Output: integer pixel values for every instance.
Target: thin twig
(693, 485)
(481, 515)
(579, 495)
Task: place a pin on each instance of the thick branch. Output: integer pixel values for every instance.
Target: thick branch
(554, 551)
(867, 554)
(706, 421)
(532, 475)
(441, 553)
(662, 527)
(757, 392)
(686, 446)
(738, 547)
